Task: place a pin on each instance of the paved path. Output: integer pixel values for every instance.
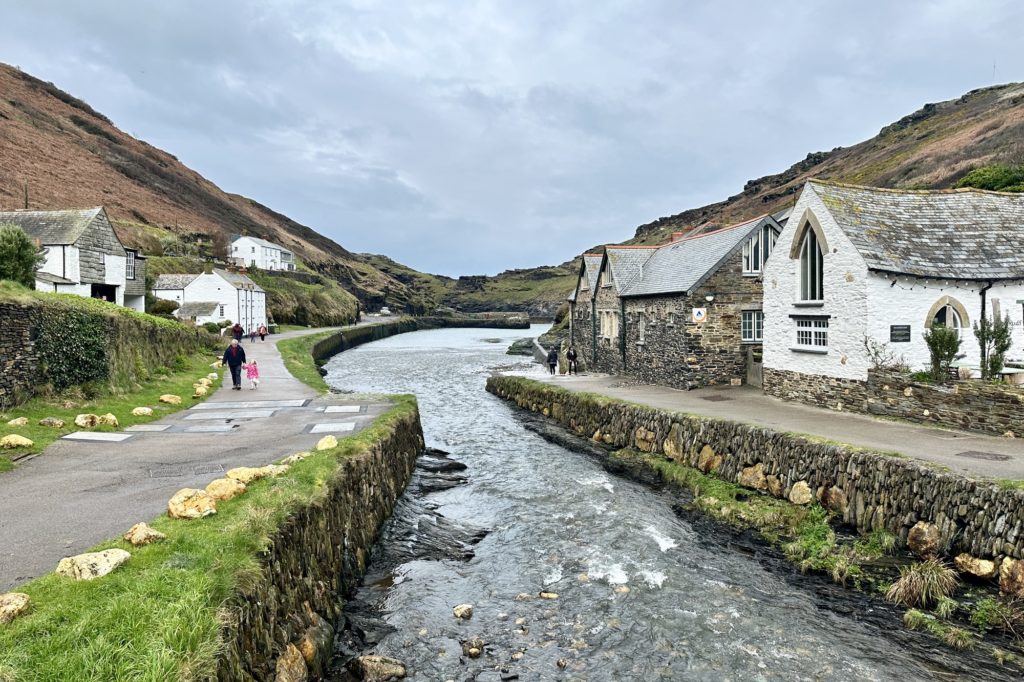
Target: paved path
(973, 454)
(78, 493)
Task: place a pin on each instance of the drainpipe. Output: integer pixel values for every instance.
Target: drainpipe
(593, 333)
(984, 358)
(622, 331)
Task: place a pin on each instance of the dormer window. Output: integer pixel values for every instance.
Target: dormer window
(757, 249)
(811, 267)
(606, 275)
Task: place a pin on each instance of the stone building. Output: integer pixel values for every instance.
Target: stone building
(215, 297)
(83, 255)
(582, 313)
(860, 263)
(685, 314)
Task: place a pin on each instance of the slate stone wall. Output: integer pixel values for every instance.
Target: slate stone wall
(970, 405)
(19, 362)
(607, 356)
(97, 240)
(867, 490)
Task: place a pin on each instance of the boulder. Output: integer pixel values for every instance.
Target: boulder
(753, 477)
(205, 381)
(463, 611)
(250, 474)
(199, 391)
(800, 493)
(291, 666)
(834, 498)
(143, 411)
(473, 647)
(108, 419)
(86, 421)
(774, 485)
(12, 605)
(142, 534)
(189, 503)
(923, 539)
(20, 421)
(1011, 577)
(225, 488)
(274, 469)
(327, 442)
(52, 422)
(709, 460)
(92, 565)
(12, 441)
(212, 376)
(979, 568)
(170, 399)
(378, 668)
(547, 595)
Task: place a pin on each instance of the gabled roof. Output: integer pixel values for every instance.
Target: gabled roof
(52, 227)
(591, 268)
(683, 265)
(627, 263)
(262, 242)
(44, 276)
(173, 281)
(964, 234)
(197, 309)
(237, 280)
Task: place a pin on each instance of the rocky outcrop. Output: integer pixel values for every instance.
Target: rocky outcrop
(141, 534)
(92, 565)
(190, 503)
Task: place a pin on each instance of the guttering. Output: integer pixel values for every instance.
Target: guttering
(622, 331)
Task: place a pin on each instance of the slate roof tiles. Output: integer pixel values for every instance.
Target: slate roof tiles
(52, 227)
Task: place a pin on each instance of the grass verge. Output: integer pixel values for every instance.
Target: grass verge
(157, 617)
(298, 358)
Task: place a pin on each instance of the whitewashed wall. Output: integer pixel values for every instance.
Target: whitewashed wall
(115, 273)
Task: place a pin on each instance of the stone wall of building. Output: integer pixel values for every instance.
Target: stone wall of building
(606, 354)
(19, 363)
(867, 490)
(971, 405)
(98, 241)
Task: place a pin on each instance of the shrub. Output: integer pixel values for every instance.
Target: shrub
(1007, 616)
(880, 356)
(943, 347)
(994, 339)
(997, 177)
(162, 306)
(923, 584)
(19, 259)
(212, 327)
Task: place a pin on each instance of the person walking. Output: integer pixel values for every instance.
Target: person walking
(263, 332)
(252, 336)
(571, 357)
(552, 360)
(234, 358)
(237, 332)
(252, 372)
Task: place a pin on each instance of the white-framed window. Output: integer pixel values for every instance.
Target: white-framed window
(752, 326)
(641, 327)
(606, 275)
(811, 268)
(757, 249)
(222, 310)
(129, 265)
(812, 332)
(254, 249)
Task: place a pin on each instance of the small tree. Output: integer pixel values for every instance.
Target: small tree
(943, 346)
(19, 258)
(994, 340)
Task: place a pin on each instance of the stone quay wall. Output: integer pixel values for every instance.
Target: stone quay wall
(867, 490)
(317, 559)
(971, 405)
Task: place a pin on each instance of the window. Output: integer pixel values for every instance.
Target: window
(222, 310)
(254, 249)
(752, 326)
(641, 327)
(811, 268)
(948, 316)
(757, 249)
(129, 265)
(812, 332)
(606, 275)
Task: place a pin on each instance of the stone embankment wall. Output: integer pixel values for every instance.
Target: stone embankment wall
(971, 405)
(867, 490)
(316, 560)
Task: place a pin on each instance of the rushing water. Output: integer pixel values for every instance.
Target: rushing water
(643, 593)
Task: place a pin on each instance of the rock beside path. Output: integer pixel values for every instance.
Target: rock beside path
(86, 421)
(249, 474)
(92, 565)
(142, 534)
(143, 411)
(52, 422)
(225, 488)
(108, 419)
(20, 421)
(327, 442)
(190, 503)
(12, 605)
(170, 399)
(13, 441)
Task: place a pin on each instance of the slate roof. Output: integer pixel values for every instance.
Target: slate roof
(627, 263)
(591, 265)
(682, 265)
(44, 276)
(237, 280)
(173, 281)
(964, 234)
(262, 242)
(197, 309)
(52, 227)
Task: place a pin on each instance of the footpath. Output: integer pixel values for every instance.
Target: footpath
(77, 492)
(972, 454)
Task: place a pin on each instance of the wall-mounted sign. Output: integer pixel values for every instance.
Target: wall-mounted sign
(700, 315)
(899, 333)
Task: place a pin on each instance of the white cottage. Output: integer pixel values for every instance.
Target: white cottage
(214, 297)
(256, 252)
(856, 262)
(83, 255)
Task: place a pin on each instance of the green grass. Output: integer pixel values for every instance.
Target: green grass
(282, 328)
(1009, 484)
(157, 617)
(68, 405)
(296, 354)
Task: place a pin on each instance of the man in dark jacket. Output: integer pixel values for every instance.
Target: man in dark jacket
(552, 360)
(238, 332)
(571, 357)
(234, 358)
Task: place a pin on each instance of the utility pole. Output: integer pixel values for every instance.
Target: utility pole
(26, 194)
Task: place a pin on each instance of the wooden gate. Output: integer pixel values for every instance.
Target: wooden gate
(755, 369)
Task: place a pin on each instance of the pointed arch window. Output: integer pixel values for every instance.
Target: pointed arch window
(811, 267)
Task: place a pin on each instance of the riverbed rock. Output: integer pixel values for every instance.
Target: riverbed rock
(20, 421)
(547, 595)
(143, 411)
(170, 399)
(326, 443)
(524, 596)
(316, 643)
(473, 647)
(12, 605)
(378, 668)
(52, 422)
(86, 421)
(463, 611)
(291, 666)
(92, 565)
(225, 488)
(1011, 577)
(13, 440)
(190, 503)
(708, 460)
(107, 419)
(753, 477)
(142, 534)
(923, 539)
(979, 568)
(800, 493)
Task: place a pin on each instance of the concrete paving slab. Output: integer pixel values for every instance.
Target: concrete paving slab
(333, 427)
(210, 428)
(233, 414)
(98, 436)
(148, 428)
(332, 409)
(248, 404)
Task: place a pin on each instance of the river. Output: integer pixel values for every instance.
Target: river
(643, 594)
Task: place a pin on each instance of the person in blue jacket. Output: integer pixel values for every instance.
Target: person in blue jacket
(234, 358)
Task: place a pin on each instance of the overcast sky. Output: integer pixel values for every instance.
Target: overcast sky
(471, 137)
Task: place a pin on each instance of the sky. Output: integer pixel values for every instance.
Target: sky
(463, 137)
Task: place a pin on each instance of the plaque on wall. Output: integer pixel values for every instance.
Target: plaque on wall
(899, 333)
(699, 315)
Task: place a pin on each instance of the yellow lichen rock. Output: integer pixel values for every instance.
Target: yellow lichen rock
(108, 419)
(13, 441)
(142, 534)
(327, 442)
(189, 503)
(143, 411)
(92, 565)
(20, 421)
(12, 605)
(86, 421)
(170, 399)
(225, 488)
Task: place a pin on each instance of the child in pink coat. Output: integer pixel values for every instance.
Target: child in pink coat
(252, 372)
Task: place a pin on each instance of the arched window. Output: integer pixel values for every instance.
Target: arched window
(947, 317)
(757, 249)
(811, 267)
(948, 312)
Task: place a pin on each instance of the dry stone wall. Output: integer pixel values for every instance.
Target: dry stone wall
(18, 358)
(867, 490)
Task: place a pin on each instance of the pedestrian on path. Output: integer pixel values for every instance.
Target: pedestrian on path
(234, 358)
(237, 332)
(263, 332)
(252, 336)
(571, 357)
(552, 360)
(252, 372)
